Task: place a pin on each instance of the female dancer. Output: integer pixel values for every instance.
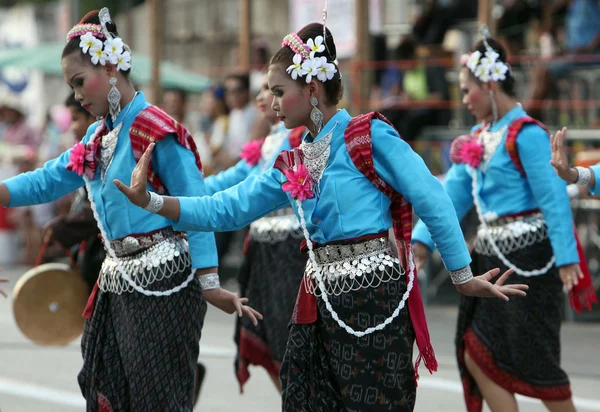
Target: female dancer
(273, 265)
(526, 225)
(140, 346)
(332, 362)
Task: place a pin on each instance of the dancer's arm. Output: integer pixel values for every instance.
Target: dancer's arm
(176, 167)
(45, 184)
(560, 161)
(228, 210)
(406, 172)
(227, 178)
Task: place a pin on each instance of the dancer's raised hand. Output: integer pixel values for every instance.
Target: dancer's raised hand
(481, 286)
(136, 192)
(560, 160)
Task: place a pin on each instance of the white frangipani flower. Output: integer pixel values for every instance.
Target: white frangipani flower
(124, 61)
(113, 48)
(98, 55)
(326, 71)
(473, 60)
(482, 72)
(311, 67)
(296, 70)
(316, 46)
(499, 70)
(492, 55)
(88, 41)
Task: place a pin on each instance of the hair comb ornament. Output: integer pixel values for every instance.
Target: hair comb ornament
(487, 67)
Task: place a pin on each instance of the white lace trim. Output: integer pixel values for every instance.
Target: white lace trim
(487, 234)
(157, 263)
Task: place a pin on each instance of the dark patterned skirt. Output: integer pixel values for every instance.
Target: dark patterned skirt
(327, 369)
(515, 343)
(269, 278)
(140, 352)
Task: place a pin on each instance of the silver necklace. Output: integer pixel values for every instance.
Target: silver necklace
(316, 156)
(109, 144)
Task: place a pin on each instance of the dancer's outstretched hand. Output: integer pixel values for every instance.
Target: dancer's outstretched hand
(481, 286)
(229, 302)
(3, 293)
(136, 192)
(560, 160)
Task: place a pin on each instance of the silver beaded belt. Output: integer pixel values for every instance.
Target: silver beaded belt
(135, 243)
(353, 266)
(511, 234)
(329, 254)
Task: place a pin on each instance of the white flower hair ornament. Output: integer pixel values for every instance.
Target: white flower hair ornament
(97, 41)
(305, 63)
(488, 66)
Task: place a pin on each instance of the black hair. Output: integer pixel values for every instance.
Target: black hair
(244, 79)
(508, 84)
(333, 88)
(183, 95)
(72, 45)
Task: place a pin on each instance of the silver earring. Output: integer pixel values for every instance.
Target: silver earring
(316, 115)
(494, 107)
(114, 99)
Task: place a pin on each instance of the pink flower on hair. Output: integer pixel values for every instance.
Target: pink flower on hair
(299, 184)
(83, 159)
(467, 149)
(252, 152)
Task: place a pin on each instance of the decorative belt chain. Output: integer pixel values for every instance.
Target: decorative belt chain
(160, 261)
(354, 266)
(512, 234)
(135, 243)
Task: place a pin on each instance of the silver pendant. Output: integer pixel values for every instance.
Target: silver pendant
(109, 144)
(114, 100)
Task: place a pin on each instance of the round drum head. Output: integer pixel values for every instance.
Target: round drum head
(48, 302)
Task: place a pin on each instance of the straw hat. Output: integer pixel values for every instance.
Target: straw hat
(48, 302)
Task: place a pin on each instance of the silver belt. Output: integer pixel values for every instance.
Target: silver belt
(132, 244)
(329, 254)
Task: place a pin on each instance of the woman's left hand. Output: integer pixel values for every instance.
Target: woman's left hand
(229, 302)
(570, 275)
(560, 160)
(3, 293)
(481, 286)
(136, 192)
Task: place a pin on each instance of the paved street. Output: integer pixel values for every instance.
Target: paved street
(34, 378)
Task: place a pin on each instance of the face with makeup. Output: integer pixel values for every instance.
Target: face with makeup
(475, 95)
(88, 81)
(291, 98)
(264, 101)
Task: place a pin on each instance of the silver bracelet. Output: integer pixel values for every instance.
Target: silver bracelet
(583, 176)
(461, 276)
(210, 281)
(155, 204)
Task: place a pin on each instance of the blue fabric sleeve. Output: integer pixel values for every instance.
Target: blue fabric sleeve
(227, 178)
(176, 167)
(596, 169)
(549, 191)
(236, 207)
(48, 183)
(397, 164)
(458, 185)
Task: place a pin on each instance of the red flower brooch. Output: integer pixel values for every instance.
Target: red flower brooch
(299, 184)
(467, 149)
(83, 159)
(252, 151)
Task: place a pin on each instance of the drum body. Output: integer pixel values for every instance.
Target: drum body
(48, 302)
